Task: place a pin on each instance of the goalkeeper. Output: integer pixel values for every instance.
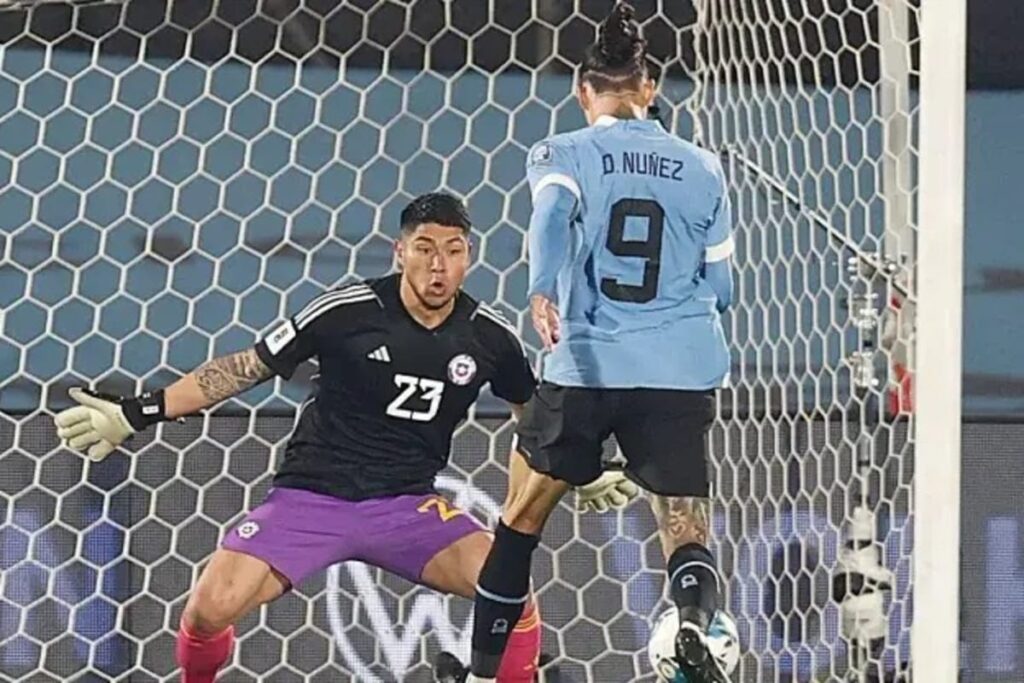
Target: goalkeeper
(401, 358)
(629, 248)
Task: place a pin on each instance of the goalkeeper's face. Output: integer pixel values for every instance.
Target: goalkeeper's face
(434, 259)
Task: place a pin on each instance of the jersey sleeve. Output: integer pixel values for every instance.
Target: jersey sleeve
(552, 162)
(286, 346)
(720, 244)
(299, 338)
(513, 378)
(550, 165)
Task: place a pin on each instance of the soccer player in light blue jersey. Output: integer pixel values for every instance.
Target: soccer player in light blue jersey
(629, 249)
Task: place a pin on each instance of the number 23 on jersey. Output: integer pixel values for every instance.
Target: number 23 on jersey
(416, 389)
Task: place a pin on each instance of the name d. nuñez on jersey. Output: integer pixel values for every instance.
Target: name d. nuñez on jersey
(639, 163)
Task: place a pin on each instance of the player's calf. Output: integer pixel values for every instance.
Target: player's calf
(693, 580)
(502, 594)
(504, 584)
(201, 655)
(519, 661)
(693, 574)
(457, 569)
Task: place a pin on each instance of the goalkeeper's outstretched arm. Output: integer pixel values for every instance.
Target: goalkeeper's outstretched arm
(213, 382)
(100, 422)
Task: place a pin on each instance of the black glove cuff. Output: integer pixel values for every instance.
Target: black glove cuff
(145, 410)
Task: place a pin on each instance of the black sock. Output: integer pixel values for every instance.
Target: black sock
(693, 583)
(501, 595)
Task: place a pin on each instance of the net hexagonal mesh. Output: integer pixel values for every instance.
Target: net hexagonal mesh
(178, 176)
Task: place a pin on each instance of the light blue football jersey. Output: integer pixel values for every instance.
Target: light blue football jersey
(652, 209)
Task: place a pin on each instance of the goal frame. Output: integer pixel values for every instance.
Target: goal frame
(935, 633)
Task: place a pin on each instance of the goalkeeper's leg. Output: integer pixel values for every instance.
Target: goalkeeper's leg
(232, 585)
(290, 536)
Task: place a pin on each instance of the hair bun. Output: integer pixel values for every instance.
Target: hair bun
(619, 37)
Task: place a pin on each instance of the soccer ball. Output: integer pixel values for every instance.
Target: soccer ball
(723, 641)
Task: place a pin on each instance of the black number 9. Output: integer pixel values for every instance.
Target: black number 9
(649, 249)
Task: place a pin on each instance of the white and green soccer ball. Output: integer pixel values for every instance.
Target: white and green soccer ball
(723, 641)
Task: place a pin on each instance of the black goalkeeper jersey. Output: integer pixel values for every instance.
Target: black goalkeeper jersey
(390, 391)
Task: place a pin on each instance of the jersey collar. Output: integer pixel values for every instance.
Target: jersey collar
(605, 120)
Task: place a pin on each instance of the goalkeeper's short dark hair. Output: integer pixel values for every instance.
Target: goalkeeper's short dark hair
(436, 207)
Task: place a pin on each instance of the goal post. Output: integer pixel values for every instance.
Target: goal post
(939, 321)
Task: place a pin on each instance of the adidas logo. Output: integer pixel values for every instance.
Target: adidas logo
(380, 354)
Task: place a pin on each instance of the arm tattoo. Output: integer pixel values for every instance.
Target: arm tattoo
(228, 376)
(682, 520)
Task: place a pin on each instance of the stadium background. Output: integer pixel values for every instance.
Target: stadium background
(62, 306)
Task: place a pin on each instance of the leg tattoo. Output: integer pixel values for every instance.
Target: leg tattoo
(681, 521)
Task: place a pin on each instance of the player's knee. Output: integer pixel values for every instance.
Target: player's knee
(212, 608)
(204, 618)
(208, 614)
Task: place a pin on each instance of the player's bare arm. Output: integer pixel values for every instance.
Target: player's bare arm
(100, 423)
(215, 381)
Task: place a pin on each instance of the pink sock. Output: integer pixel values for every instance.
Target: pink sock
(200, 655)
(519, 663)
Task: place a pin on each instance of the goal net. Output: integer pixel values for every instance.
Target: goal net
(176, 176)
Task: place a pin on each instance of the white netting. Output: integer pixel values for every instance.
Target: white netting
(178, 176)
(810, 106)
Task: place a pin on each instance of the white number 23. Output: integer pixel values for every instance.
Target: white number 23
(430, 392)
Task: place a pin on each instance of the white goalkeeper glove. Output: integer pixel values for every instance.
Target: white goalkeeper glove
(611, 490)
(101, 422)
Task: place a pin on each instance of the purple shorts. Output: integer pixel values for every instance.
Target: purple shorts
(299, 532)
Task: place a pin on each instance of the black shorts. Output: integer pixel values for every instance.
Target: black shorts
(661, 432)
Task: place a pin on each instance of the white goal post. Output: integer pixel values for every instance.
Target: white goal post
(936, 631)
